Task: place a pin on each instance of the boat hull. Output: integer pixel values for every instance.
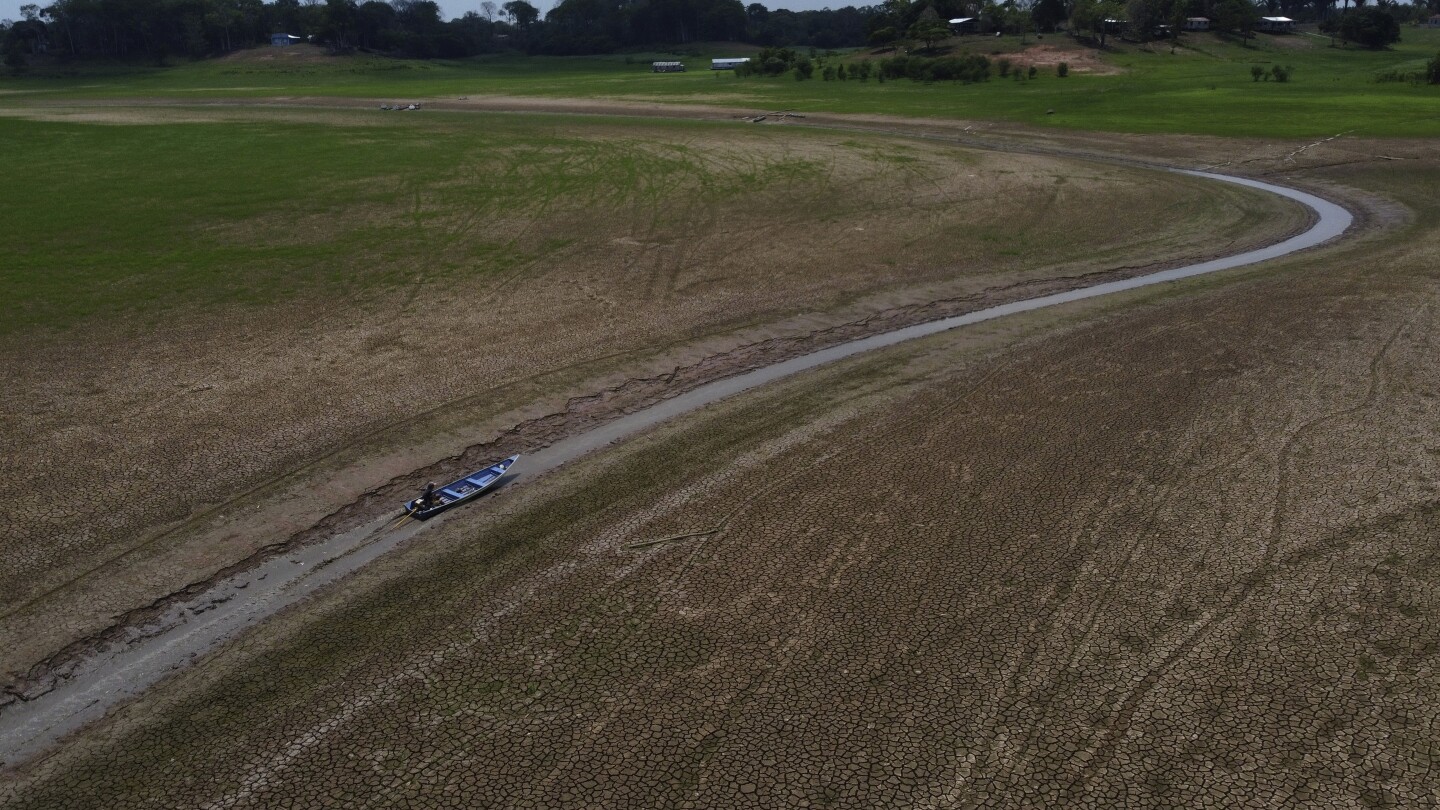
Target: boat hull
(461, 490)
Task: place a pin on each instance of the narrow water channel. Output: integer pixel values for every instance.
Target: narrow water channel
(198, 626)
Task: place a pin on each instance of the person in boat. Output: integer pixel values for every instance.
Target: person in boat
(427, 499)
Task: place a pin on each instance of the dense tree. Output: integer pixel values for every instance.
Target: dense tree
(928, 29)
(1370, 27)
(1090, 15)
(1146, 17)
(1234, 17)
(1048, 14)
(1016, 18)
(27, 36)
(14, 49)
(342, 23)
(375, 25)
(155, 29)
(522, 13)
(821, 29)
(893, 15)
(969, 68)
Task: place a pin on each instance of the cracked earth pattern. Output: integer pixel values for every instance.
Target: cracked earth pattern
(161, 427)
(1181, 556)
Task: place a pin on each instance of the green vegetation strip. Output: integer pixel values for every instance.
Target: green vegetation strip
(252, 212)
(1203, 87)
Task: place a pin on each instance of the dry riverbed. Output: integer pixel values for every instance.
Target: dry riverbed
(1170, 549)
(205, 438)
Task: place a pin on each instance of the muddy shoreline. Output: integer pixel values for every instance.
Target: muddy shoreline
(585, 423)
(581, 414)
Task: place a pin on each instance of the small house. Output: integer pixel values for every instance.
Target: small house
(728, 64)
(282, 40)
(1434, 21)
(963, 25)
(1114, 26)
(1276, 25)
(667, 67)
(1197, 23)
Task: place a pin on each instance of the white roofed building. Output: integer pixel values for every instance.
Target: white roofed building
(1276, 25)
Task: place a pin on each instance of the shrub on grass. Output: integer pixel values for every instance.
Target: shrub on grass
(1281, 74)
(1432, 70)
(1062, 70)
(1034, 71)
(1004, 66)
(967, 69)
(773, 62)
(1415, 77)
(1257, 72)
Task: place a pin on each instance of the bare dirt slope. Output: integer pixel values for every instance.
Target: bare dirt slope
(1047, 57)
(199, 438)
(1179, 552)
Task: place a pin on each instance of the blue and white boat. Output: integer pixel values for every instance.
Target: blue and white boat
(458, 492)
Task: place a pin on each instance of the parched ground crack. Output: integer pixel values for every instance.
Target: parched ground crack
(1120, 723)
(579, 414)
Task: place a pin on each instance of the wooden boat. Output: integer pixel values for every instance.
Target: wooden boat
(458, 492)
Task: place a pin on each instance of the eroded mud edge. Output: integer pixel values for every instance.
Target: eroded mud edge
(579, 416)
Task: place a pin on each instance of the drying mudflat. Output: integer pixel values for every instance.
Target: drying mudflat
(200, 367)
(1170, 548)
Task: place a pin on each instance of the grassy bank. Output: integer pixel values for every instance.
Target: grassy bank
(256, 207)
(1202, 87)
(256, 211)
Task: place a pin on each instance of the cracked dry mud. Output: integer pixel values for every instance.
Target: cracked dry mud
(200, 440)
(1175, 550)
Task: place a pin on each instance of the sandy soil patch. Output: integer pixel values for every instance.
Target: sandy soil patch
(1045, 57)
(106, 116)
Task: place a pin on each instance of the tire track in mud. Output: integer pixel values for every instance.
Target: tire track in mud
(620, 411)
(384, 693)
(1214, 618)
(576, 415)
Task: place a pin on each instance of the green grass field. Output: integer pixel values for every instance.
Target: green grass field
(138, 213)
(232, 214)
(1203, 88)
(90, 247)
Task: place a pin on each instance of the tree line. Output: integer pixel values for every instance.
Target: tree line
(927, 21)
(157, 29)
